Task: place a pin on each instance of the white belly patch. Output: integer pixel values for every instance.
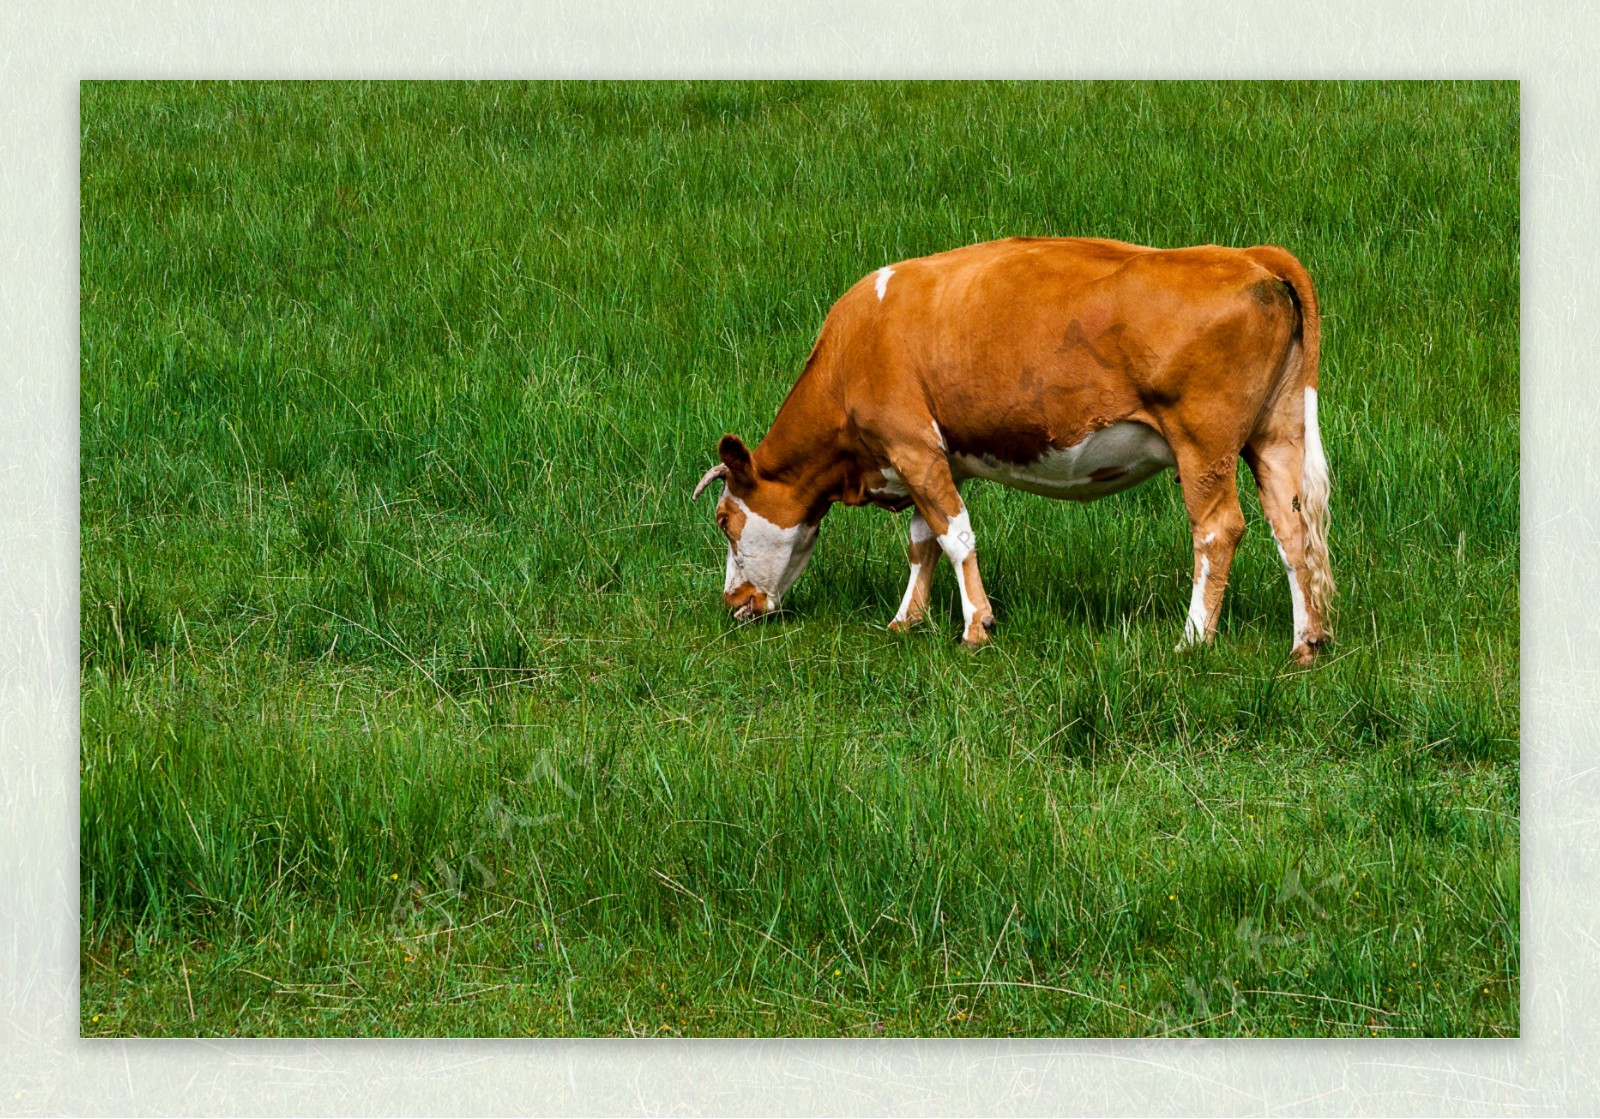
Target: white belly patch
(893, 485)
(1109, 461)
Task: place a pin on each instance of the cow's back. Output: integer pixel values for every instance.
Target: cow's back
(1018, 346)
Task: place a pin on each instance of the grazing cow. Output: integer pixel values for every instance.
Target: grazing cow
(1072, 368)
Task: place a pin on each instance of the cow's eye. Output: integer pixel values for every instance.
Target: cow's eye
(722, 521)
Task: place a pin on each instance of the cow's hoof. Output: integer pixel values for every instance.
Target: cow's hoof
(977, 635)
(903, 625)
(1305, 653)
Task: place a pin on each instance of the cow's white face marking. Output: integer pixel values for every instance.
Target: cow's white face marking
(767, 556)
(1108, 461)
(883, 281)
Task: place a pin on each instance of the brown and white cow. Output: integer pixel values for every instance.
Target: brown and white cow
(1068, 367)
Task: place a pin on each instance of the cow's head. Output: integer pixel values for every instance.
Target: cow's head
(769, 536)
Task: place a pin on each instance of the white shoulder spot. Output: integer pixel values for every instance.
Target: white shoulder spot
(883, 280)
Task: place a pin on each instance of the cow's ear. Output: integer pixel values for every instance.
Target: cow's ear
(736, 456)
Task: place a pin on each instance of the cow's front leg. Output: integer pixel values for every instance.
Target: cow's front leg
(925, 472)
(958, 543)
(924, 554)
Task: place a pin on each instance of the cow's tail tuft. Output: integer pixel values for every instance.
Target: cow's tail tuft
(1314, 482)
(1314, 487)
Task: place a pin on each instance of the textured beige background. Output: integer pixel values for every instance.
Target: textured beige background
(45, 1069)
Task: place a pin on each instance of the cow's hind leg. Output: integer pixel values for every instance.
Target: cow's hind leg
(924, 554)
(1211, 496)
(1276, 464)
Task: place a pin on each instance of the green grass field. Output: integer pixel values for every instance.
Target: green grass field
(409, 704)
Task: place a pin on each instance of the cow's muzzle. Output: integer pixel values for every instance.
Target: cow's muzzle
(746, 602)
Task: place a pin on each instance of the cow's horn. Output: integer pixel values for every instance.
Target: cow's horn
(718, 471)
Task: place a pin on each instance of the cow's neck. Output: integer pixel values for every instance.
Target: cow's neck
(807, 449)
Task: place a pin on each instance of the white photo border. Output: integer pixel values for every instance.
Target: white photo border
(47, 1069)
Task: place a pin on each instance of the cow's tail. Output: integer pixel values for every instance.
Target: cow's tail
(1314, 483)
